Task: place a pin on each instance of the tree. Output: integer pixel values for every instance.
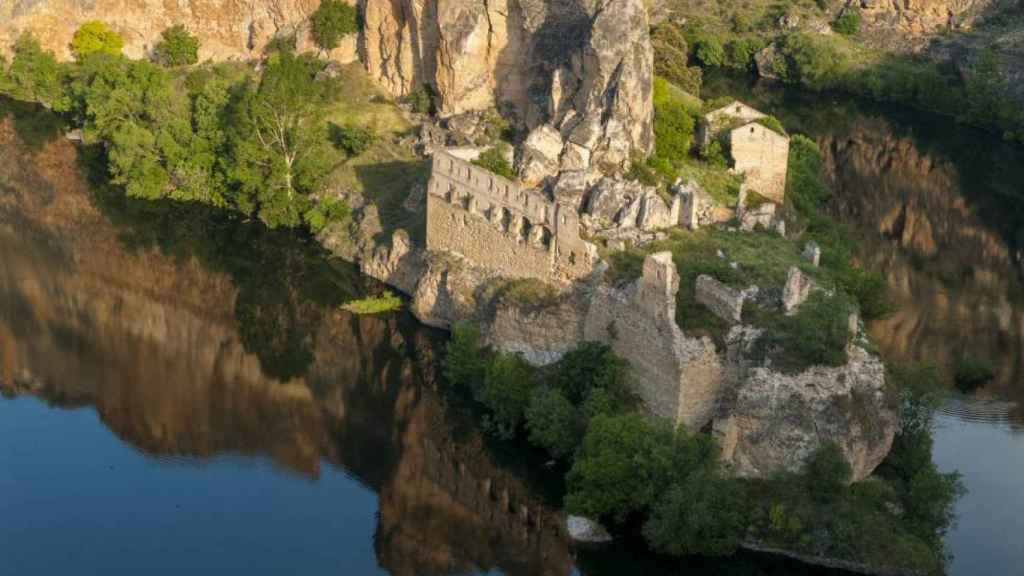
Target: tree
(34, 73)
(465, 361)
(279, 141)
(95, 37)
(704, 514)
(553, 422)
(508, 384)
(177, 47)
(589, 366)
(351, 139)
(827, 472)
(627, 460)
(709, 51)
(673, 125)
(330, 22)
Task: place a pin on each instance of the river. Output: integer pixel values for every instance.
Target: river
(182, 391)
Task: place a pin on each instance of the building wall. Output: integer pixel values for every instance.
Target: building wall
(676, 377)
(493, 223)
(717, 120)
(762, 155)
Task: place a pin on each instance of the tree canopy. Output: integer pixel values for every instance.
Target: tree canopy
(332, 21)
(94, 36)
(177, 47)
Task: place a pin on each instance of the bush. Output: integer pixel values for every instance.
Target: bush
(553, 423)
(465, 361)
(588, 367)
(332, 21)
(817, 335)
(325, 212)
(628, 460)
(973, 372)
(806, 190)
(351, 139)
(709, 51)
(671, 59)
(508, 384)
(673, 125)
(848, 23)
(704, 514)
(421, 100)
(812, 60)
(95, 37)
(772, 123)
(34, 73)
(494, 159)
(739, 54)
(177, 47)
(827, 473)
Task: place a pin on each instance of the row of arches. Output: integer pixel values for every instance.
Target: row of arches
(520, 228)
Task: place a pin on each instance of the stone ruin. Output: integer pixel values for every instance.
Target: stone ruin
(759, 153)
(492, 222)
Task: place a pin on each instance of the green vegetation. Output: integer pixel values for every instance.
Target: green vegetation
(817, 335)
(703, 514)
(332, 21)
(177, 47)
(387, 301)
(216, 135)
(94, 37)
(495, 160)
(506, 392)
(972, 372)
(529, 293)
(848, 22)
(772, 123)
(422, 100)
(671, 59)
(351, 139)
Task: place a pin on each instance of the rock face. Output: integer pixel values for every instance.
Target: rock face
(226, 28)
(583, 67)
(773, 421)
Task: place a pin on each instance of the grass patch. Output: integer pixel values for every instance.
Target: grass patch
(528, 293)
(720, 184)
(379, 304)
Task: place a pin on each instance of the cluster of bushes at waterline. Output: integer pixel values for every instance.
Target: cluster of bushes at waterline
(627, 469)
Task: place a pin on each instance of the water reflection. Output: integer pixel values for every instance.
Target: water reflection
(194, 336)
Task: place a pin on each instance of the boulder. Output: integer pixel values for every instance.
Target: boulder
(585, 530)
(772, 422)
(798, 288)
(540, 155)
(721, 300)
(812, 253)
(575, 157)
(767, 61)
(654, 213)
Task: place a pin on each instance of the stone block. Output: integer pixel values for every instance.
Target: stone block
(812, 253)
(723, 301)
(798, 288)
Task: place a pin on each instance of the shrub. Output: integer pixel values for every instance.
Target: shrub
(628, 460)
(421, 100)
(671, 59)
(709, 51)
(704, 514)
(553, 423)
(739, 53)
(848, 23)
(325, 212)
(385, 302)
(465, 361)
(590, 366)
(817, 335)
(177, 47)
(812, 60)
(330, 22)
(772, 123)
(95, 37)
(806, 190)
(673, 124)
(508, 384)
(351, 139)
(973, 372)
(494, 159)
(826, 472)
(34, 73)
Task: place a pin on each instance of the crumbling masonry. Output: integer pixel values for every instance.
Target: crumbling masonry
(493, 223)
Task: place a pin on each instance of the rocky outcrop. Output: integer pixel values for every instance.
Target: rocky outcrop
(773, 421)
(227, 28)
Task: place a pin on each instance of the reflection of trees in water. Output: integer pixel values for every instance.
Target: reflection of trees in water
(135, 319)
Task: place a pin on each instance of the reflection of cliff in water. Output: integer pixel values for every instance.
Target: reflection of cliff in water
(187, 348)
(946, 234)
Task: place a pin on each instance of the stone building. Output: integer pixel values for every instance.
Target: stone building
(495, 224)
(759, 153)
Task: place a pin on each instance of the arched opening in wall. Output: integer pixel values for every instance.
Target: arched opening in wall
(525, 230)
(505, 219)
(540, 236)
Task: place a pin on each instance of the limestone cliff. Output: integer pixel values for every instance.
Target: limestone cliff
(227, 28)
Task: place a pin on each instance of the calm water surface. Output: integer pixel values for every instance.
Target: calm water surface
(181, 389)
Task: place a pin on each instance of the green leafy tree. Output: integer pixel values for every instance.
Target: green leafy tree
(465, 361)
(590, 366)
(279, 142)
(553, 422)
(332, 21)
(673, 125)
(34, 73)
(627, 460)
(95, 37)
(703, 514)
(177, 47)
(709, 51)
(812, 60)
(351, 139)
(508, 385)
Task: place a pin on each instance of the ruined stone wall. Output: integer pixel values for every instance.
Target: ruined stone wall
(677, 377)
(762, 155)
(491, 222)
